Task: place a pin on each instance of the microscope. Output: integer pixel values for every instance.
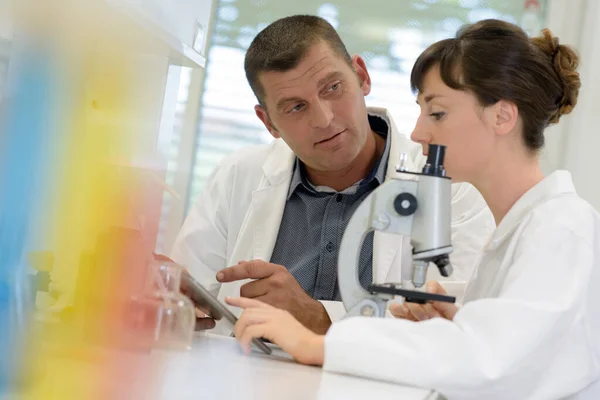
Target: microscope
(414, 204)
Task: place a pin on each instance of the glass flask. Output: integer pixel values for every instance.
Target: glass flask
(162, 317)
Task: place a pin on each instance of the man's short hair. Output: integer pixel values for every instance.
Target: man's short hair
(282, 44)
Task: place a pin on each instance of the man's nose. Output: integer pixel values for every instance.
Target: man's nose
(321, 115)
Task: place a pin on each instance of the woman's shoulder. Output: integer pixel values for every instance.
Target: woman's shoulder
(568, 213)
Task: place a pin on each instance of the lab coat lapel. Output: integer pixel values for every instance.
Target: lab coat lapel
(268, 201)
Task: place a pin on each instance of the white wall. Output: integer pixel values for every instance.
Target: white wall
(574, 144)
(6, 20)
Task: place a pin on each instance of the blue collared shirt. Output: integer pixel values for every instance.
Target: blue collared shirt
(314, 221)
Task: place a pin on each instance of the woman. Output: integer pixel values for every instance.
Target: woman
(530, 324)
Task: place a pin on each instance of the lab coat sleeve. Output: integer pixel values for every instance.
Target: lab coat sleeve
(496, 348)
(201, 245)
(472, 224)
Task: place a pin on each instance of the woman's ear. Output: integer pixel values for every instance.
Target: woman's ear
(505, 115)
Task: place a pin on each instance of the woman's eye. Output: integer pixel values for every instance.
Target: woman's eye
(438, 115)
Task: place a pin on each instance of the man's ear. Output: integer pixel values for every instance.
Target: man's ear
(261, 113)
(505, 116)
(360, 67)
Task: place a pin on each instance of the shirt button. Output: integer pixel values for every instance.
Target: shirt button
(329, 247)
(338, 198)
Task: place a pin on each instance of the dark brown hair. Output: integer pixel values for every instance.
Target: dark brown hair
(282, 44)
(496, 60)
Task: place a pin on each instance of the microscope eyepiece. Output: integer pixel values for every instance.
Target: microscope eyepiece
(435, 160)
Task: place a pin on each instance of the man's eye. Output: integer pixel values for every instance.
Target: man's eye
(335, 87)
(296, 108)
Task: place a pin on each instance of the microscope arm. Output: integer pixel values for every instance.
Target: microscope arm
(417, 205)
(382, 210)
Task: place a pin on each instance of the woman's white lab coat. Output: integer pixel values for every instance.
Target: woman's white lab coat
(238, 214)
(530, 326)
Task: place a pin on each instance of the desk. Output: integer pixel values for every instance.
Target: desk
(216, 368)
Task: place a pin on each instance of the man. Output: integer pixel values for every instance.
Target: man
(269, 223)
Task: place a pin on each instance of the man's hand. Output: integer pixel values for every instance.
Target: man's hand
(275, 285)
(203, 320)
(421, 312)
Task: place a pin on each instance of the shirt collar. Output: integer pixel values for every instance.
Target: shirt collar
(559, 182)
(379, 126)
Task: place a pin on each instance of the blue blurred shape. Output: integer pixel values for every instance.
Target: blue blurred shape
(25, 139)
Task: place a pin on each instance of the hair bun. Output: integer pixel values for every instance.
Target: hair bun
(565, 62)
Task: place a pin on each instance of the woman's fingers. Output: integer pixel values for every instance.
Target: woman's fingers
(244, 302)
(251, 332)
(251, 317)
(401, 311)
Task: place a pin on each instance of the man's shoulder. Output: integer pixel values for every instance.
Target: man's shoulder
(412, 149)
(251, 159)
(402, 142)
(248, 156)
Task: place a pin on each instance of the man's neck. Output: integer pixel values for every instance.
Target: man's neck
(357, 170)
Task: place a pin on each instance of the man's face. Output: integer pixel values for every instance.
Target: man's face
(318, 108)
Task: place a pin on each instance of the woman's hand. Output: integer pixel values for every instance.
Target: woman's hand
(421, 312)
(260, 320)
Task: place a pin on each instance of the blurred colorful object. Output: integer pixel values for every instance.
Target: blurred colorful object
(79, 201)
(24, 136)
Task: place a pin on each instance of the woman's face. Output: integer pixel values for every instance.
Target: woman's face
(454, 118)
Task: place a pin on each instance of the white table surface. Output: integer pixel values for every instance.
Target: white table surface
(216, 368)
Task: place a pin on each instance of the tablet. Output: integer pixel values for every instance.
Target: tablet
(204, 299)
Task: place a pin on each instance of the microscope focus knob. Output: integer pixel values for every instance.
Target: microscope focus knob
(405, 204)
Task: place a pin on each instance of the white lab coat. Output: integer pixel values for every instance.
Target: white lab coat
(238, 214)
(530, 326)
